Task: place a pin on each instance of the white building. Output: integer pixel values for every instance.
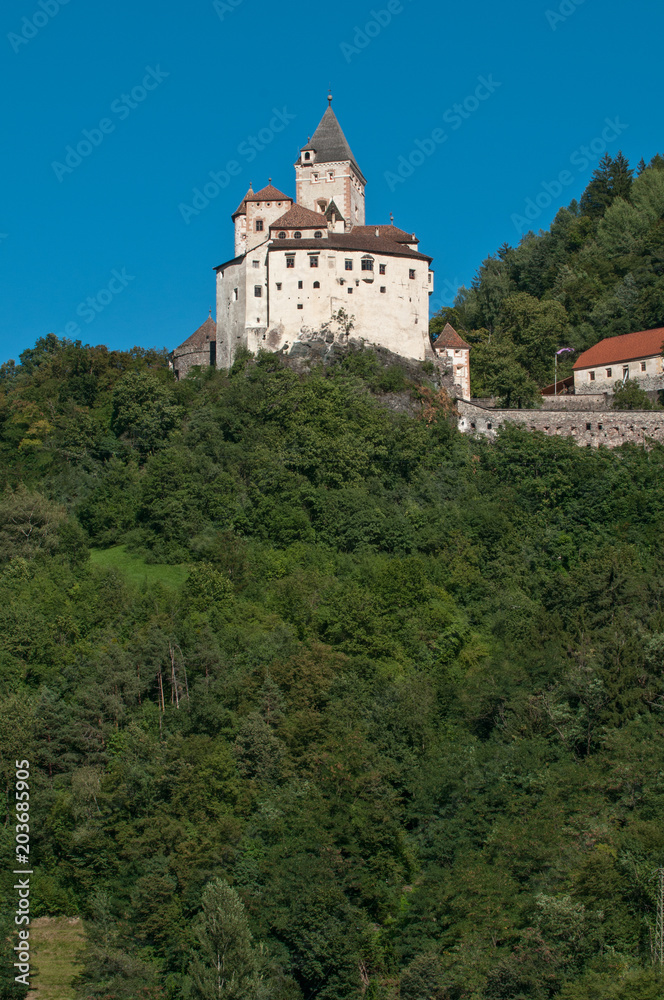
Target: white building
(450, 346)
(313, 263)
(615, 359)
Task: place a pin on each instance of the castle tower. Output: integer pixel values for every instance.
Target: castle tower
(327, 171)
(256, 214)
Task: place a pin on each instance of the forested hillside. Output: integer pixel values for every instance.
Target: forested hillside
(597, 272)
(399, 732)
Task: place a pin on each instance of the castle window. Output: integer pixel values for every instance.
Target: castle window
(591, 376)
(589, 427)
(608, 372)
(367, 264)
(643, 366)
(314, 178)
(350, 291)
(290, 261)
(313, 262)
(256, 263)
(307, 156)
(235, 294)
(282, 236)
(297, 236)
(430, 277)
(349, 265)
(411, 274)
(322, 206)
(300, 284)
(259, 225)
(489, 426)
(278, 286)
(383, 268)
(258, 291)
(318, 235)
(626, 371)
(330, 175)
(300, 306)
(316, 284)
(383, 289)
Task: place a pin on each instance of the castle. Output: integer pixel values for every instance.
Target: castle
(312, 264)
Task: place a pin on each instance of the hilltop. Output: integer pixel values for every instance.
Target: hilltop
(387, 698)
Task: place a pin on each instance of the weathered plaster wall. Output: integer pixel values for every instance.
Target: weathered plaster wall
(610, 428)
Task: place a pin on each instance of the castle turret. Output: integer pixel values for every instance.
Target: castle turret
(327, 171)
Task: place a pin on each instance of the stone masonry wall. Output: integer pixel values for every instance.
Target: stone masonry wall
(186, 359)
(610, 428)
(598, 401)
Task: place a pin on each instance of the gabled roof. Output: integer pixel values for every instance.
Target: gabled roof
(269, 193)
(202, 336)
(348, 241)
(330, 144)
(331, 209)
(389, 232)
(628, 347)
(299, 217)
(450, 338)
(242, 207)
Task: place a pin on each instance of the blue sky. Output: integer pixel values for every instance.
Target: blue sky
(100, 249)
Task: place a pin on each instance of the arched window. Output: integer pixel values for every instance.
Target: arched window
(316, 284)
(307, 156)
(282, 236)
(318, 235)
(297, 236)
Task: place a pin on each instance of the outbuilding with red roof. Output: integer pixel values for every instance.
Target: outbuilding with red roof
(635, 356)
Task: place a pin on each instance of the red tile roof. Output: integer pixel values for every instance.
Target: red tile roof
(242, 207)
(450, 338)
(389, 232)
(202, 336)
(628, 347)
(349, 241)
(269, 193)
(299, 217)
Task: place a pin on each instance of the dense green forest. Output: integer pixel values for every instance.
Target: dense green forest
(381, 718)
(597, 272)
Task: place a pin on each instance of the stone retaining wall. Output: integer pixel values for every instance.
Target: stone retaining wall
(610, 428)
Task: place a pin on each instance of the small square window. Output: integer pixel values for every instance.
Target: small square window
(300, 284)
(350, 291)
(411, 274)
(589, 427)
(313, 262)
(383, 289)
(258, 291)
(383, 268)
(349, 265)
(278, 286)
(290, 261)
(300, 306)
(256, 263)
(259, 225)
(316, 284)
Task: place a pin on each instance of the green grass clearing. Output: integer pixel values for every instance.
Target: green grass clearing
(55, 945)
(136, 570)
